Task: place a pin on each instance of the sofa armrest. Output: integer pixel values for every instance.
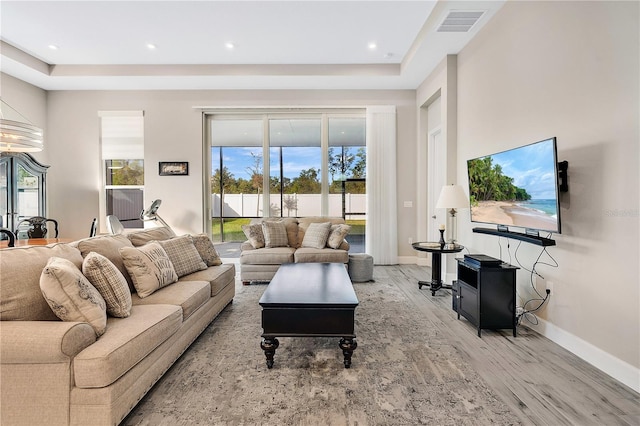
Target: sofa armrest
(246, 246)
(34, 342)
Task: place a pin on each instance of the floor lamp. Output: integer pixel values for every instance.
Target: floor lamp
(452, 197)
(152, 213)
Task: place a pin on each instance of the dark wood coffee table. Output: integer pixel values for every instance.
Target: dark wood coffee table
(309, 300)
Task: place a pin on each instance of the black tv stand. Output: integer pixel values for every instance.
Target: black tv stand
(533, 239)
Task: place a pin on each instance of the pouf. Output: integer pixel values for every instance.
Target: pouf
(360, 267)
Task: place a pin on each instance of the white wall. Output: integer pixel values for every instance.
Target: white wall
(570, 70)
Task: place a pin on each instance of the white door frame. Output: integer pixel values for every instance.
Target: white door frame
(437, 172)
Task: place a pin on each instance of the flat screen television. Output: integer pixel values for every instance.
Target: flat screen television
(517, 188)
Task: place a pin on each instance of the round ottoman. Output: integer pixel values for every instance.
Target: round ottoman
(360, 267)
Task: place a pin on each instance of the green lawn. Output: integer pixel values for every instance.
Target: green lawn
(233, 228)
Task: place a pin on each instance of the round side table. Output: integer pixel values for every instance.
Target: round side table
(436, 250)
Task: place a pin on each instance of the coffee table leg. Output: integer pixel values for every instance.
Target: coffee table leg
(348, 345)
(269, 346)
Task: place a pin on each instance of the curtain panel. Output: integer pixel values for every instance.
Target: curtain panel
(381, 226)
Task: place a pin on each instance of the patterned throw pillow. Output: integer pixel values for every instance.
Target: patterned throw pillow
(316, 235)
(337, 235)
(254, 235)
(109, 246)
(71, 296)
(206, 249)
(110, 282)
(149, 267)
(159, 233)
(275, 234)
(184, 255)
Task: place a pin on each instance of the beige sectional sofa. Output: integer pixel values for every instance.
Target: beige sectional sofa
(261, 264)
(60, 372)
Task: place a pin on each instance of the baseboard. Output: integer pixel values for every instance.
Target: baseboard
(614, 367)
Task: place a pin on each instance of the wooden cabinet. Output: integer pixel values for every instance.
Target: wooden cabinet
(22, 188)
(486, 295)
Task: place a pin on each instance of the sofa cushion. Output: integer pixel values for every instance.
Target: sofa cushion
(125, 343)
(109, 246)
(189, 295)
(110, 282)
(275, 234)
(316, 235)
(206, 249)
(21, 298)
(149, 267)
(337, 235)
(217, 276)
(183, 254)
(268, 256)
(71, 296)
(254, 234)
(311, 255)
(159, 233)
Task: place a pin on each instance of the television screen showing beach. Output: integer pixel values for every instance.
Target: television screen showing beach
(516, 187)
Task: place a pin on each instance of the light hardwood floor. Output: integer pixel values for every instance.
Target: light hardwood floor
(542, 382)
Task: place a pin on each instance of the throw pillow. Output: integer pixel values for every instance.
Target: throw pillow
(316, 235)
(275, 234)
(206, 249)
(159, 233)
(109, 246)
(149, 267)
(337, 235)
(183, 255)
(254, 235)
(71, 296)
(110, 282)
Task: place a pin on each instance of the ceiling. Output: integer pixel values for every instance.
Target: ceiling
(103, 45)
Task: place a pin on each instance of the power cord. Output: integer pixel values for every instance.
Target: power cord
(521, 311)
(529, 314)
(525, 313)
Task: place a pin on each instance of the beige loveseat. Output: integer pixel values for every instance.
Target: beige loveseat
(261, 264)
(60, 372)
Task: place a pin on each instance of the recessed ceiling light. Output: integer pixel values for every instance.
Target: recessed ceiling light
(151, 46)
(229, 45)
(372, 45)
(53, 47)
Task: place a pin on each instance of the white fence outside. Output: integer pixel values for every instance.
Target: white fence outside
(295, 205)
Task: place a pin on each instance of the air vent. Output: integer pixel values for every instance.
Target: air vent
(460, 21)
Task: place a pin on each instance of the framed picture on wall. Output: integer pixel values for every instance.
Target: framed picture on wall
(173, 168)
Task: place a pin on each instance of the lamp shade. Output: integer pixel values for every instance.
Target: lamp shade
(452, 197)
(16, 133)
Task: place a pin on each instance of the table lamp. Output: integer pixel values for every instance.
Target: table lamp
(452, 197)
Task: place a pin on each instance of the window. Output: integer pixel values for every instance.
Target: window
(122, 138)
(315, 165)
(296, 164)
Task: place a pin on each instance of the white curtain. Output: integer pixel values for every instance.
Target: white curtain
(381, 226)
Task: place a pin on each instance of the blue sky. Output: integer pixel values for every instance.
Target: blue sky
(296, 159)
(532, 168)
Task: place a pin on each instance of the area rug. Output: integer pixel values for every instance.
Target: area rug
(403, 373)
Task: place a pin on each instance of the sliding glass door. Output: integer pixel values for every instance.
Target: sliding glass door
(286, 165)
